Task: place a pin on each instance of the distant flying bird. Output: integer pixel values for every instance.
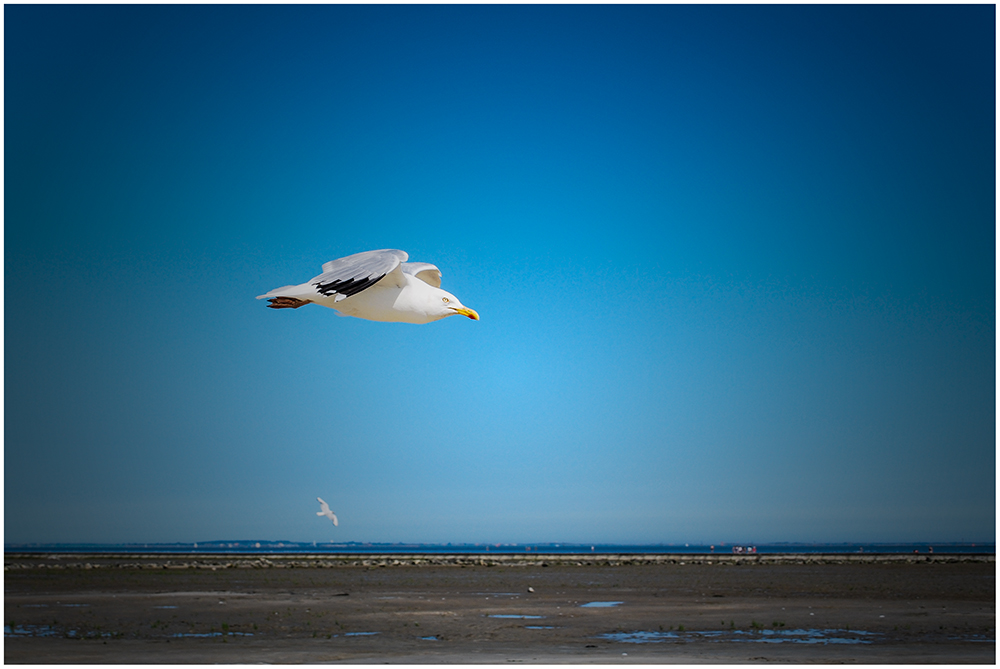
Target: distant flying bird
(376, 286)
(325, 511)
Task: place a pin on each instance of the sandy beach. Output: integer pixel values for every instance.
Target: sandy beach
(492, 609)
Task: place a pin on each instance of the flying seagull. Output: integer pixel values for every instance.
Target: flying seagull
(377, 286)
(325, 511)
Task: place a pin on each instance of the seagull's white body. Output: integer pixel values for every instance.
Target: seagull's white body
(325, 511)
(376, 286)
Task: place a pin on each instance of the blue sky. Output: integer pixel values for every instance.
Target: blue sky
(735, 267)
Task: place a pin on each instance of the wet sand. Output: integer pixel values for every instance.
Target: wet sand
(478, 609)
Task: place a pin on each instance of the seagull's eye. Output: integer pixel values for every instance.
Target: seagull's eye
(445, 300)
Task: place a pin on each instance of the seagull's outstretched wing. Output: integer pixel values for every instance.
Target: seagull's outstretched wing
(325, 511)
(350, 275)
(424, 271)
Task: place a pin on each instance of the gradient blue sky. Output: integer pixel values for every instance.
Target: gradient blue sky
(735, 266)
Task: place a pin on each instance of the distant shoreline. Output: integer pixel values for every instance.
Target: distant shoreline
(265, 560)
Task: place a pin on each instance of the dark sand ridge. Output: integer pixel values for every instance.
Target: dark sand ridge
(440, 609)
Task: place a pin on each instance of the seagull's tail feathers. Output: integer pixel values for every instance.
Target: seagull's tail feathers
(320, 513)
(288, 297)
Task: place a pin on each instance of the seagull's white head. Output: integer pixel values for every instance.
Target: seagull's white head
(444, 304)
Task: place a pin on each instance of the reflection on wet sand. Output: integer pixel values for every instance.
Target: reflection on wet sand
(822, 636)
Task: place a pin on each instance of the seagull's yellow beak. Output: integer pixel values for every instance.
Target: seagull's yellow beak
(471, 313)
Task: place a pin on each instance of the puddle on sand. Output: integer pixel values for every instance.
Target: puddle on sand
(45, 630)
(29, 630)
(511, 615)
(810, 636)
(539, 627)
(824, 636)
(973, 637)
(164, 607)
(360, 633)
(205, 635)
(639, 637)
(600, 604)
(428, 638)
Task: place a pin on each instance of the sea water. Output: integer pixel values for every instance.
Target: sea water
(352, 548)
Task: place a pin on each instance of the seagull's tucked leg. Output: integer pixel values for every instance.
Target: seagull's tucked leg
(286, 303)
